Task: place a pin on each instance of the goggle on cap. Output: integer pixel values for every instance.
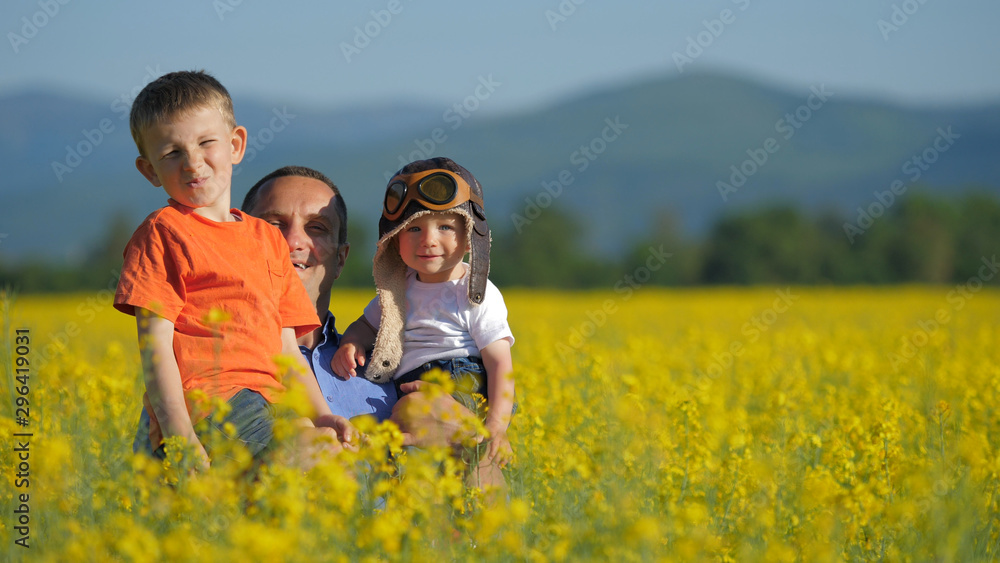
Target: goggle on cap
(434, 185)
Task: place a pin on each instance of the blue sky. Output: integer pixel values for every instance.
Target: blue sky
(537, 51)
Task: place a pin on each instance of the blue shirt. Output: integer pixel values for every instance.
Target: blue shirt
(349, 398)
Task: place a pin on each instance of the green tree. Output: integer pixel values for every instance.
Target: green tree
(103, 263)
(681, 268)
(358, 268)
(546, 253)
(977, 236)
(773, 245)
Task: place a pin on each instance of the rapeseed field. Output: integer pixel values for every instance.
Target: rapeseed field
(760, 424)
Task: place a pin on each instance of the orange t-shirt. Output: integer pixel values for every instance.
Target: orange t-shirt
(181, 266)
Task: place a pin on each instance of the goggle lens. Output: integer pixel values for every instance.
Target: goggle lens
(394, 196)
(439, 189)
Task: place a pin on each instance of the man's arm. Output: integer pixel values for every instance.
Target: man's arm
(355, 342)
(163, 379)
(500, 388)
(346, 433)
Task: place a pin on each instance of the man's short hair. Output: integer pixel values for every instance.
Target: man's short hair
(250, 201)
(175, 93)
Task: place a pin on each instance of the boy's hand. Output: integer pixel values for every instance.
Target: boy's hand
(194, 452)
(347, 357)
(498, 450)
(315, 444)
(346, 434)
(202, 462)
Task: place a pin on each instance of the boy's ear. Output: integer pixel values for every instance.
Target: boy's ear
(145, 167)
(239, 142)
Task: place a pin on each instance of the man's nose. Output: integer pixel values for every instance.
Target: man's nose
(296, 238)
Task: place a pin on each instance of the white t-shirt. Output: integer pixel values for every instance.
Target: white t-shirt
(440, 322)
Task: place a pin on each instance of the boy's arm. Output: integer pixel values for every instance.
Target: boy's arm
(500, 387)
(356, 340)
(163, 379)
(346, 433)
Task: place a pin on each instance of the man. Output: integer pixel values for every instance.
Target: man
(310, 213)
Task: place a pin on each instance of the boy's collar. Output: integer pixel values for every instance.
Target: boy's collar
(237, 215)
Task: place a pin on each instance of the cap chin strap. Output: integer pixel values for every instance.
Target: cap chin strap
(479, 263)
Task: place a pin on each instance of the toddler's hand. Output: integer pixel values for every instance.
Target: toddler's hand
(346, 359)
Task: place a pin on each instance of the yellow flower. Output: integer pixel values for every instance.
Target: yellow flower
(679, 429)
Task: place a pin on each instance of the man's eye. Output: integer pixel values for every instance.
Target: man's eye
(277, 224)
(207, 142)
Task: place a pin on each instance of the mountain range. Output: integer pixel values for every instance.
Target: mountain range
(690, 147)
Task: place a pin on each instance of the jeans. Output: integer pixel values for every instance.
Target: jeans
(469, 375)
(251, 414)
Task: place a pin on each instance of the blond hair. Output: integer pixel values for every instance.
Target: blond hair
(175, 93)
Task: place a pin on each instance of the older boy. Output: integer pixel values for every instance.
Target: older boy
(211, 288)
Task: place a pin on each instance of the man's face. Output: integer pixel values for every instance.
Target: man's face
(303, 210)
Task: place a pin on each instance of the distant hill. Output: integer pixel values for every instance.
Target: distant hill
(667, 144)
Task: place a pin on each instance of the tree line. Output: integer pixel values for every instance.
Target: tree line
(922, 238)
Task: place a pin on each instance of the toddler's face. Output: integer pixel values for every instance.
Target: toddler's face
(434, 245)
(191, 155)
